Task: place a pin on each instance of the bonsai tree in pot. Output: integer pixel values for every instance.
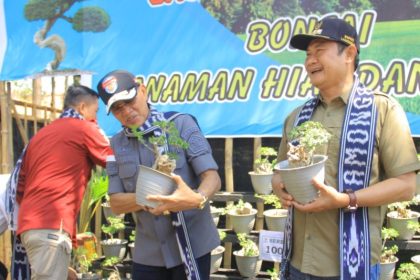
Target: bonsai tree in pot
(242, 216)
(302, 162)
(388, 259)
(263, 170)
(114, 247)
(275, 218)
(403, 219)
(247, 258)
(157, 180)
(82, 261)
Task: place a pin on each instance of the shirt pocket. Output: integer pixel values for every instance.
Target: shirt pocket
(127, 171)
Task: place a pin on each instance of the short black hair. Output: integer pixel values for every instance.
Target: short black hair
(76, 94)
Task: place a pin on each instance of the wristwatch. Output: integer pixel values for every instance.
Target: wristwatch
(204, 199)
(352, 207)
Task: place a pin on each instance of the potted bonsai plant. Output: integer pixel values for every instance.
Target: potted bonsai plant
(217, 254)
(408, 271)
(215, 213)
(83, 262)
(157, 180)
(302, 162)
(247, 258)
(242, 216)
(263, 171)
(275, 218)
(388, 259)
(403, 219)
(113, 247)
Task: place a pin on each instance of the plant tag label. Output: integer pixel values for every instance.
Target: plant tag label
(271, 245)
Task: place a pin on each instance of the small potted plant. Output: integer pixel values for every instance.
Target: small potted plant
(157, 180)
(217, 254)
(247, 258)
(216, 212)
(416, 260)
(242, 215)
(110, 268)
(114, 247)
(274, 218)
(83, 262)
(302, 162)
(403, 219)
(408, 271)
(263, 170)
(388, 259)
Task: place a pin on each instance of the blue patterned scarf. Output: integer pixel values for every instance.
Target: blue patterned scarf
(20, 269)
(178, 220)
(354, 166)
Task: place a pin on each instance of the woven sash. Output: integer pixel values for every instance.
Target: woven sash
(356, 152)
(20, 269)
(178, 220)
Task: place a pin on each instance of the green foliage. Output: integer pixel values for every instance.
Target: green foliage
(263, 165)
(273, 273)
(41, 9)
(94, 19)
(270, 199)
(408, 271)
(222, 234)
(132, 236)
(115, 224)
(310, 135)
(240, 207)
(82, 262)
(169, 133)
(248, 247)
(388, 253)
(110, 261)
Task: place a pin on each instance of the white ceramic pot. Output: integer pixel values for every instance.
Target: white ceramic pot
(242, 223)
(401, 224)
(216, 258)
(247, 266)
(114, 247)
(261, 182)
(297, 180)
(152, 182)
(387, 270)
(275, 219)
(416, 260)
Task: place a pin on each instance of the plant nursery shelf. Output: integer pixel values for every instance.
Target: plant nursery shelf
(235, 196)
(409, 245)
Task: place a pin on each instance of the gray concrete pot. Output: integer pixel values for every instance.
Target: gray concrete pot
(387, 270)
(247, 266)
(242, 223)
(261, 182)
(216, 258)
(275, 219)
(297, 180)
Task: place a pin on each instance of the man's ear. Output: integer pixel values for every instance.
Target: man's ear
(143, 89)
(351, 53)
(81, 108)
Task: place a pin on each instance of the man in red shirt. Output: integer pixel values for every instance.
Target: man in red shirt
(55, 170)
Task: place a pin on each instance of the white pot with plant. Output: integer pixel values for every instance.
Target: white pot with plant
(216, 213)
(275, 218)
(113, 247)
(302, 163)
(157, 180)
(263, 171)
(247, 258)
(403, 219)
(388, 259)
(242, 215)
(416, 260)
(217, 254)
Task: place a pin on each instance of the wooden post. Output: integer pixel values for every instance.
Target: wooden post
(52, 113)
(227, 259)
(259, 223)
(36, 93)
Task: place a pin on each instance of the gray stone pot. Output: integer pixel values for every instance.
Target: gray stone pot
(114, 248)
(297, 180)
(152, 182)
(400, 224)
(216, 258)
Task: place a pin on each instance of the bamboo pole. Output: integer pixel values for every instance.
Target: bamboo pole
(36, 93)
(259, 223)
(52, 114)
(227, 259)
(19, 124)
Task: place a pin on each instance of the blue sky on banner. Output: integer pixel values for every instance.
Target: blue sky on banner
(180, 38)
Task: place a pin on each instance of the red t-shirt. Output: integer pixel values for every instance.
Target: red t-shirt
(55, 171)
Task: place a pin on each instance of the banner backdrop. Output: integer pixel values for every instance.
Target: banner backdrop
(226, 62)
